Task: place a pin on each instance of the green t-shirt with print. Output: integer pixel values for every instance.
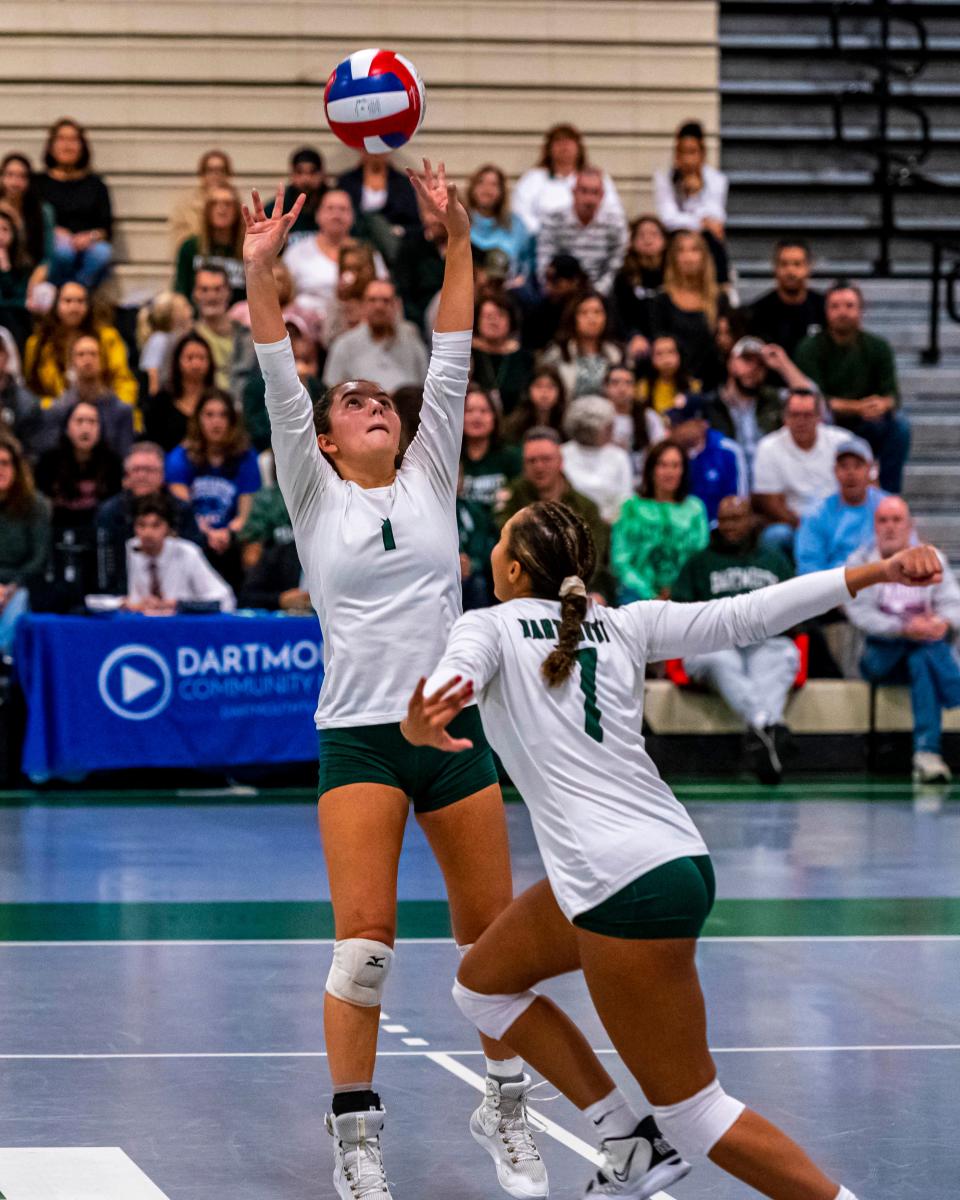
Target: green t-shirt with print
(484, 477)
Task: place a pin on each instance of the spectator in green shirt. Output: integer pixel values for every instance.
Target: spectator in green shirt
(478, 535)
(857, 374)
(755, 681)
(220, 244)
(488, 464)
(659, 529)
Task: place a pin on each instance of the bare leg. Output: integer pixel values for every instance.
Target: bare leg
(531, 941)
(469, 841)
(648, 996)
(362, 830)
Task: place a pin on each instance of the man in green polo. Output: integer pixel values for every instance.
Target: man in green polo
(857, 374)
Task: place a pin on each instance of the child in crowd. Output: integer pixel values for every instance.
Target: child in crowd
(665, 378)
(164, 570)
(160, 323)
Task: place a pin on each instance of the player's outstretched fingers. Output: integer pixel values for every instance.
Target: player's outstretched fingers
(294, 212)
(259, 214)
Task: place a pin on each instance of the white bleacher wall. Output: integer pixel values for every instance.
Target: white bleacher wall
(157, 82)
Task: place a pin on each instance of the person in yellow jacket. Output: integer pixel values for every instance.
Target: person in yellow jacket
(47, 355)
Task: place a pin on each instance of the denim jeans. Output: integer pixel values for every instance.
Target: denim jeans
(889, 439)
(932, 673)
(779, 537)
(16, 606)
(80, 266)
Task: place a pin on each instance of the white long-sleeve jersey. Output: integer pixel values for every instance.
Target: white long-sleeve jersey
(601, 813)
(382, 565)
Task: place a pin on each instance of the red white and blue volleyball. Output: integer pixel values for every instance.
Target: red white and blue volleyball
(375, 101)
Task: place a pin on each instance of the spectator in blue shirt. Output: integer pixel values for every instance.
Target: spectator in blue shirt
(843, 522)
(494, 227)
(215, 470)
(718, 467)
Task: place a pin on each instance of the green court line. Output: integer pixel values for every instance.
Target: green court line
(847, 788)
(281, 919)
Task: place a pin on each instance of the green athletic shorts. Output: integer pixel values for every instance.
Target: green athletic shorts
(671, 901)
(431, 778)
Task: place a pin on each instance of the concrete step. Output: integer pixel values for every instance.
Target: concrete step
(805, 112)
(742, 157)
(61, 58)
(935, 438)
(786, 20)
(943, 530)
(762, 64)
(786, 86)
(932, 486)
(931, 383)
(759, 128)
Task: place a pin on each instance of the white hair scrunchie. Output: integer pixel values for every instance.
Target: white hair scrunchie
(573, 585)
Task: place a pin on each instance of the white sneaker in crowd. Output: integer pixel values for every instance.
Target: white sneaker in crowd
(930, 768)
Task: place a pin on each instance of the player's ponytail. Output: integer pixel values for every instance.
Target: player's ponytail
(556, 550)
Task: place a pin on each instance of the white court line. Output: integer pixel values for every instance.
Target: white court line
(570, 1140)
(447, 941)
(187, 1054)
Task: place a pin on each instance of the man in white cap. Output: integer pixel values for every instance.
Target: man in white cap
(909, 638)
(843, 522)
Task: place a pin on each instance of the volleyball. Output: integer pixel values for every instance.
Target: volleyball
(375, 100)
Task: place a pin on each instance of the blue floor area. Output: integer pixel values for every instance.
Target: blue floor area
(176, 852)
(204, 1061)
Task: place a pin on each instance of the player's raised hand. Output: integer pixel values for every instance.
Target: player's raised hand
(265, 236)
(917, 566)
(428, 716)
(440, 198)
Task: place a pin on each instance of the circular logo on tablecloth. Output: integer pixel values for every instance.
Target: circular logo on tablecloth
(135, 682)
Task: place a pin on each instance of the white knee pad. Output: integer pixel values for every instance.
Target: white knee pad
(492, 1015)
(359, 970)
(695, 1126)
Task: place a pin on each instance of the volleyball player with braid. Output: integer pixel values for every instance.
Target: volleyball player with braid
(629, 884)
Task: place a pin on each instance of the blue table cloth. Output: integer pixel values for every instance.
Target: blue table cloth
(126, 690)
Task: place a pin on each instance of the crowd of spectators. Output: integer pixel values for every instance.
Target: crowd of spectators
(713, 447)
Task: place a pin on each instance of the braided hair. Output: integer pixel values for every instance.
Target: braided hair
(555, 548)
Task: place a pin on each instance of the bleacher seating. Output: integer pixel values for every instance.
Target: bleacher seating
(159, 83)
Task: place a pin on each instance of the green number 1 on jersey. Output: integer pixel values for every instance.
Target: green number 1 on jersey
(587, 658)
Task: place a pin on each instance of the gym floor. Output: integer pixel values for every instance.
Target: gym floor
(161, 984)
